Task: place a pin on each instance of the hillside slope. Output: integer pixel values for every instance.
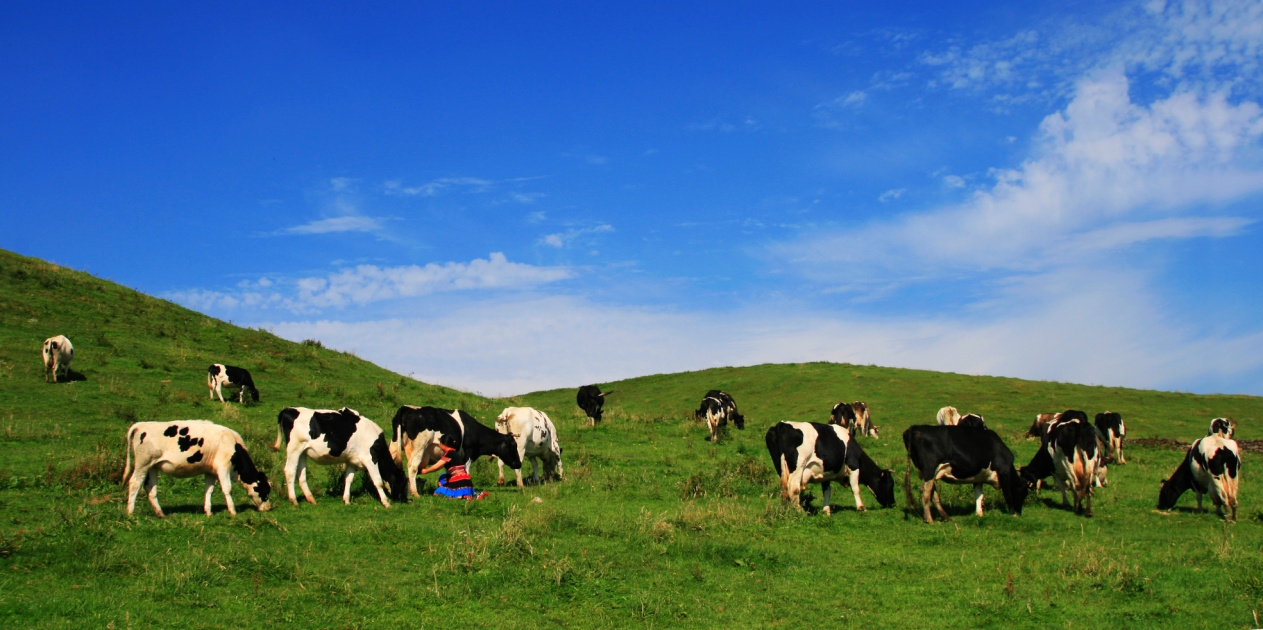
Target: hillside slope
(652, 525)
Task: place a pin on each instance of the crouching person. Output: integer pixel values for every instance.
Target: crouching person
(455, 483)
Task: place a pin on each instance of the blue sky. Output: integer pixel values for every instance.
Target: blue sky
(504, 197)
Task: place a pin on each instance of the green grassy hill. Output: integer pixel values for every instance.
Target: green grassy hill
(653, 525)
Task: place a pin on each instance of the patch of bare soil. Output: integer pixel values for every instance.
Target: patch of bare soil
(1248, 446)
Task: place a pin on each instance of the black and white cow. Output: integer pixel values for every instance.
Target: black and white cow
(1112, 428)
(1225, 427)
(809, 452)
(343, 436)
(58, 351)
(972, 420)
(187, 448)
(1069, 453)
(416, 433)
(220, 376)
(717, 408)
(1211, 466)
(591, 400)
(963, 455)
(854, 416)
(536, 439)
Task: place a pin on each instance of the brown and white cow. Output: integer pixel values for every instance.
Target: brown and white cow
(337, 437)
(1069, 453)
(855, 417)
(1211, 466)
(1225, 427)
(58, 351)
(187, 448)
(536, 439)
(947, 416)
(1042, 420)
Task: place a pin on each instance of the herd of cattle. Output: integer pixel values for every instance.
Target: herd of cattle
(959, 449)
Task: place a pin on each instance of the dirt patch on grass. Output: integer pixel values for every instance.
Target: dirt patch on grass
(1248, 446)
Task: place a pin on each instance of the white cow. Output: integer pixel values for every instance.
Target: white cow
(536, 439)
(58, 351)
(186, 448)
(337, 437)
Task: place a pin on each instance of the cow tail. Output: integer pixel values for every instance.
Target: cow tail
(127, 465)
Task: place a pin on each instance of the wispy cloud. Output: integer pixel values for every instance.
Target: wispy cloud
(563, 239)
(334, 225)
(440, 186)
(367, 284)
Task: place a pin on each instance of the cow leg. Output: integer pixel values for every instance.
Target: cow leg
(1121, 459)
(151, 490)
(291, 474)
(534, 472)
(499, 472)
(375, 476)
(415, 461)
(938, 505)
(825, 489)
(1199, 500)
(210, 490)
(927, 494)
(133, 487)
(347, 478)
(225, 485)
(978, 496)
(855, 489)
(302, 480)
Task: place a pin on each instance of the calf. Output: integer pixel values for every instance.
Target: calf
(58, 351)
(1113, 430)
(854, 416)
(536, 439)
(336, 437)
(220, 376)
(717, 409)
(186, 448)
(1068, 452)
(1212, 465)
(591, 400)
(963, 455)
(948, 417)
(808, 452)
(1225, 427)
(416, 433)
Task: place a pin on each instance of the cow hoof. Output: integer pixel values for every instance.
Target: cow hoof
(499, 482)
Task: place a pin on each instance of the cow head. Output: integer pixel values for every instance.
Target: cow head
(255, 481)
(739, 420)
(1170, 493)
(504, 447)
(884, 488)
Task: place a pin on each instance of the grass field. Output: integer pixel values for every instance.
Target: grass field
(653, 525)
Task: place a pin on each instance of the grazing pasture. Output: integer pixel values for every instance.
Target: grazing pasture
(653, 525)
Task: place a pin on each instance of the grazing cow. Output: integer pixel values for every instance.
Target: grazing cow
(1042, 421)
(963, 455)
(948, 417)
(1113, 430)
(1225, 427)
(1212, 465)
(854, 416)
(972, 420)
(337, 437)
(536, 439)
(1068, 452)
(591, 400)
(416, 434)
(220, 376)
(809, 452)
(186, 448)
(58, 351)
(717, 409)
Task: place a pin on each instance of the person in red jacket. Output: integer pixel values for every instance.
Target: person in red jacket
(455, 483)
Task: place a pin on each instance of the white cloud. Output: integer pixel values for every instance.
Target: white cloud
(336, 225)
(440, 186)
(892, 195)
(562, 239)
(1051, 326)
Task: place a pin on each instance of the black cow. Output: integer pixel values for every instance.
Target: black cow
(1211, 465)
(219, 376)
(416, 433)
(591, 400)
(1113, 430)
(963, 455)
(809, 452)
(972, 420)
(717, 408)
(1068, 452)
(336, 437)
